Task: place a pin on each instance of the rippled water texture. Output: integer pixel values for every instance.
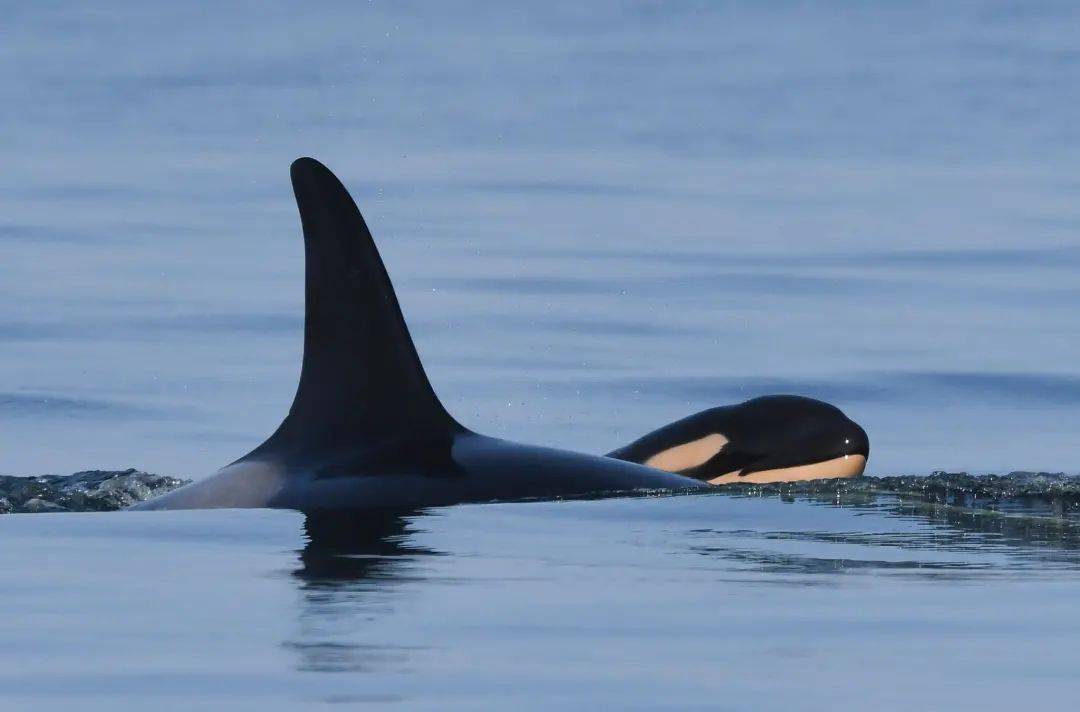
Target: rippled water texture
(599, 219)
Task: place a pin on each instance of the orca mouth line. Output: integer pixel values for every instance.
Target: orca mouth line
(838, 467)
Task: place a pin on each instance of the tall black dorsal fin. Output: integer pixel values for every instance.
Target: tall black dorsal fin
(361, 381)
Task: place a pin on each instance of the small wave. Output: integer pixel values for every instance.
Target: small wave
(1030, 493)
(89, 491)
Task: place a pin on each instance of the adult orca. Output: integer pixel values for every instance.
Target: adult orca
(366, 430)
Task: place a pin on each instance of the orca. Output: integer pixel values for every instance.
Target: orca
(366, 431)
(778, 438)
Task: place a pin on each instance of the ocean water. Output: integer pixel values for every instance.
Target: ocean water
(599, 219)
(695, 602)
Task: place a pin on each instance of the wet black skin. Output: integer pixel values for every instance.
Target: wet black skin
(365, 430)
(766, 433)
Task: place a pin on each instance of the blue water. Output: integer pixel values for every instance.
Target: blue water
(700, 602)
(598, 219)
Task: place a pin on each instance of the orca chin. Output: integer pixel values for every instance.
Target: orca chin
(837, 468)
(365, 430)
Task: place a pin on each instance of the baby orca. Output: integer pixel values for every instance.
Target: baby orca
(767, 439)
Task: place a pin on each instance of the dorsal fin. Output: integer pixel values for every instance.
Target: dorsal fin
(361, 382)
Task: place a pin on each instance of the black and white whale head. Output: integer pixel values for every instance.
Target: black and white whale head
(767, 439)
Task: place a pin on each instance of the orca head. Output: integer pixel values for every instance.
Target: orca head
(768, 439)
(783, 438)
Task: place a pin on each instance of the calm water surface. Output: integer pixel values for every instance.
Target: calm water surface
(598, 220)
(694, 602)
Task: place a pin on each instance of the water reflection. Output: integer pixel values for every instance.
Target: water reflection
(358, 575)
(349, 571)
(350, 548)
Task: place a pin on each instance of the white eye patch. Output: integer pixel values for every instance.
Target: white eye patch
(691, 454)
